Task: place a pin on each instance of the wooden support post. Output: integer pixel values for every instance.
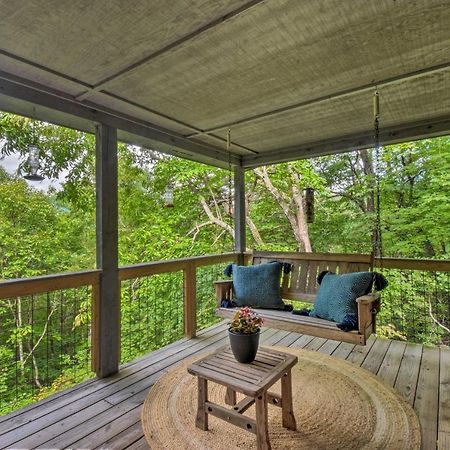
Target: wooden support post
(106, 308)
(190, 301)
(239, 213)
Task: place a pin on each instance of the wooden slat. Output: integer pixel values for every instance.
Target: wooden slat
(332, 266)
(390, 366)
(444, 400)
(359, 352)
(48, 283)
(301, 277)
(311, 287)
(426, 403)
(376, 355)
(121, 425)
(406, 382)
(232, 416)
(343, 267)
(328, 347)
(123, 439)
(343, 350)
(140, 444)
(302, 341)
(289, 339)
(315, 344)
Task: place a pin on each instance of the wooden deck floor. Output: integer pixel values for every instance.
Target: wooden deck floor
(106, 413)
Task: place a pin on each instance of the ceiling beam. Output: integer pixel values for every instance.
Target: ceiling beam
(392, 135)
(178, 43)
(324, 98)
(164, 140)
(183, 124)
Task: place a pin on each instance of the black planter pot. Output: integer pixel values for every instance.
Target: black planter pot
(244, 346)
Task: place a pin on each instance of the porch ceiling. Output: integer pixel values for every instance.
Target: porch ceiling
(291, 79)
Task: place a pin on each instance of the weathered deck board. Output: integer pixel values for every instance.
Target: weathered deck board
(426, 403)
(105, 414)
(444, 401)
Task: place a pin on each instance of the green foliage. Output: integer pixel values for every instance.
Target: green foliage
(54, 231)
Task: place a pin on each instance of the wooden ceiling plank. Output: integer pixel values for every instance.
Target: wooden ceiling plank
(324, 98)
(179, 42)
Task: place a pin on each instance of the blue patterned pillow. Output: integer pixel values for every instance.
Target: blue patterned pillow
(258, 285)
(338, 293)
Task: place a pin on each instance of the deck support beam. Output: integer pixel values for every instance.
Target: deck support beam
(106, 312)
(239, 213)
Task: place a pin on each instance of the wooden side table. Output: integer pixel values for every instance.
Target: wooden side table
(252, 380)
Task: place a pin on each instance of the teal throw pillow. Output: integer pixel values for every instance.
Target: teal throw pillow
(258, 286)
(338, 293)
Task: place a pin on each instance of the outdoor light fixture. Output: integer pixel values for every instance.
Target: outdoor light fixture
(168, 196)
(309, 204)
(33, 164)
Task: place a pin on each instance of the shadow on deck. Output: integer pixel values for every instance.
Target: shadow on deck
(105, 413)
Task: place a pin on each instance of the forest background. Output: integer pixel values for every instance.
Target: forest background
(53, 231)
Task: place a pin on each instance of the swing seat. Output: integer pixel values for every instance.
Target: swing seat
(301, 285)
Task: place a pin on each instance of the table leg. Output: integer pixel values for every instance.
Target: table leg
(230, 397)
(262, 425)
(201, 420)
(287, 408)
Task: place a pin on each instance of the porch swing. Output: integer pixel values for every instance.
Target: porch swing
(299, 283)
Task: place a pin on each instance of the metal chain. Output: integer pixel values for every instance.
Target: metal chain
(230, 183)
(377, 239)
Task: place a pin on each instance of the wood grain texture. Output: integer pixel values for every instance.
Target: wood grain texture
(426, 403)
(114, 428)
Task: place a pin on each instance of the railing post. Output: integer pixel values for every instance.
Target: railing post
(190, 300)
(239, 213)
(106, 310)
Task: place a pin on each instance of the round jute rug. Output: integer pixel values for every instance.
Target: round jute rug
(337, 406)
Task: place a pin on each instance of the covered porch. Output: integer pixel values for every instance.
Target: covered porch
(292, 81)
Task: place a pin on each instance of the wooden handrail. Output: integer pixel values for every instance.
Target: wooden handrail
(173, 265)
(48, 283)
(433, 265)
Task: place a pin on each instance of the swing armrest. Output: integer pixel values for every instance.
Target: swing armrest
(368, 307)
(372, 299)
(223, 290)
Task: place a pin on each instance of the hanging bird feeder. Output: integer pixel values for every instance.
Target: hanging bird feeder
(168, 196)
(33, 164)
(309, 204)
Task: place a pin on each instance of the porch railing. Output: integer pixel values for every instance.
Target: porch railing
(416, 304)
(45, 335)
(163, 301)
(46, 322)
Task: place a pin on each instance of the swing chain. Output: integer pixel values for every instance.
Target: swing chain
(230, 183)
(377, 241)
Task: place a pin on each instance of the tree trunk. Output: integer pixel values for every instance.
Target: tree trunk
(292, 208)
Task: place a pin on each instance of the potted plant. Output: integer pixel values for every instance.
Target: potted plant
(244, 334)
